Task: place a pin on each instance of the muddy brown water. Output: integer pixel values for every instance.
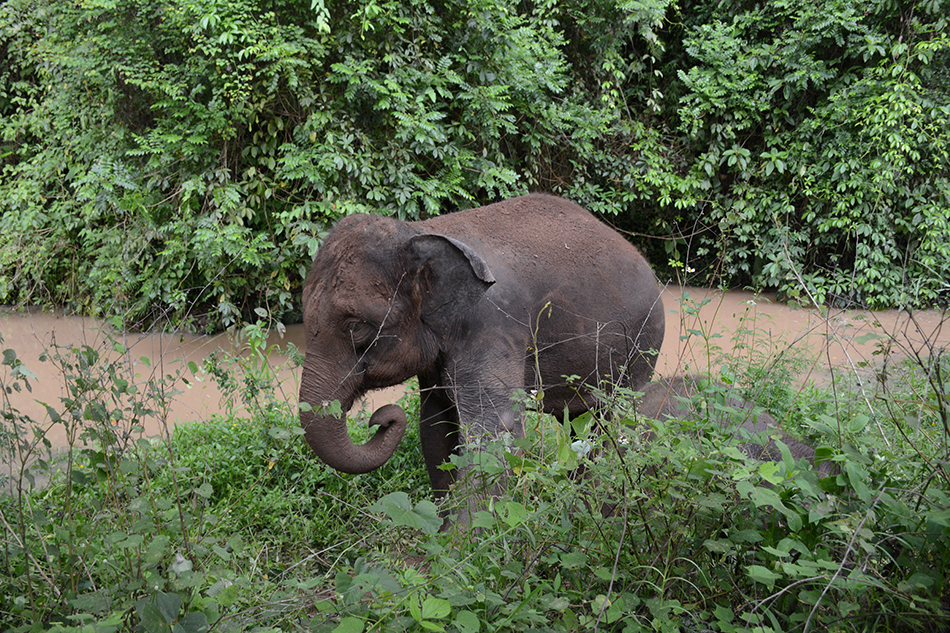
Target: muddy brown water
(701, 334)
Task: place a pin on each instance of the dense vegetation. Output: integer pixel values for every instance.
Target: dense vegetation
(180, 161)
(231, 524)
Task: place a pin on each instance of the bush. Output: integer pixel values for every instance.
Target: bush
(217, 143)
(696, 538)
(207, 524)
(231, 524)
(818, 131)
(265, 483)
(182, 163)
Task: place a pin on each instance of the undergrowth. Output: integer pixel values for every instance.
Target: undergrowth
(231, 524)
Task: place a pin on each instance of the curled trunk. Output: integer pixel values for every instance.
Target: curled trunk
(327, 434)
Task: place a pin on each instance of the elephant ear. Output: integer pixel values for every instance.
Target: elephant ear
(451, 276)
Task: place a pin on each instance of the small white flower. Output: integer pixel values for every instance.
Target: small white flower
(690, 269)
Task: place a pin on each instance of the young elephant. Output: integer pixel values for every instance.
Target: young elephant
(480, 305)
(665, 399)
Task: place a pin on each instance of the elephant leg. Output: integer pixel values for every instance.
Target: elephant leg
(483, 386)
(487, 411)
(438, 430)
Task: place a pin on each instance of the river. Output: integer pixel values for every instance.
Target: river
(701, 325)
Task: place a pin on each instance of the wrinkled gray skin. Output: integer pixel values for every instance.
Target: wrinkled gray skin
(664, 399)
(472, 303)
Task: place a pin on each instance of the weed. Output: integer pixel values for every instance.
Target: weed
(231, 524)
(204, 525)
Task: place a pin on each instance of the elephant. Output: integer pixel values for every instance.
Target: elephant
(481, 305)
(675, 398)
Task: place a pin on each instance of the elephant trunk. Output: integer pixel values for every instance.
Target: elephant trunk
(328, 437)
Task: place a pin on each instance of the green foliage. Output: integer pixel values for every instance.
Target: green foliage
(192, 156)
(181, 163)
(683, 533)
(294, 502)
(820, 144)
(231, 524)
(677, 530)
(201, 527)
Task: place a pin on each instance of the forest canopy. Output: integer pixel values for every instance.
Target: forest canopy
(179, 162)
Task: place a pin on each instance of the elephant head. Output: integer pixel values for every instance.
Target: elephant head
(379, 304)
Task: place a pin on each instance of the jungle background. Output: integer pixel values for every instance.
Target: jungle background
(180, 161)
(175, 166)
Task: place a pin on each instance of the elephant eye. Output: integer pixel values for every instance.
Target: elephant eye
(360, 333)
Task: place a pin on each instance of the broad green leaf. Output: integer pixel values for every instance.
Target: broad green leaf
(151, 617)
(158, 610)
(350, 624)
(723, 614)
(9, 357)
(771, 472)
(133, 540)
(573, 560)
(423, 516)
(194, 622)
(746, 536)
(718, 546)
(415, 608)
(857, 476)
(435, 608)
(940, 517)
(484, 520)
(514, 513)
(222, 553)
(762, 574)
(858, 423)
(467, 622)
(181, 565)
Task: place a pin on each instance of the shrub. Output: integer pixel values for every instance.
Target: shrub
(182, 163)
(206, 525)
(232, 524)
(683, 532)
